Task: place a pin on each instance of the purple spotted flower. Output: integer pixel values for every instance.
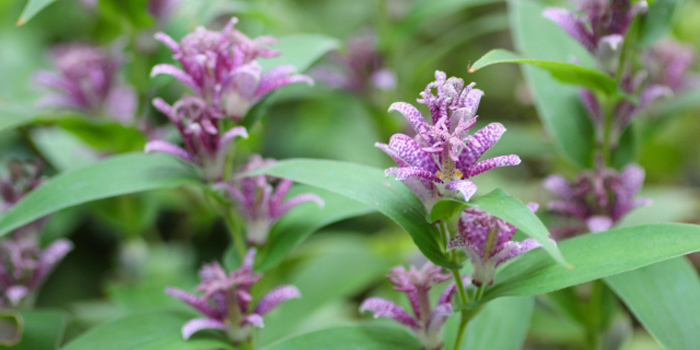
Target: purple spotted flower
(205, 145)
(668, 63)
(85, 80)
(596, 200)
(486, 240)
(440, 159)
(221, 68)
(226, 300)
(602, 27)
(426, 323)
(260, 200)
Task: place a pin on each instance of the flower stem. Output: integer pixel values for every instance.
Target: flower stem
(235, 232)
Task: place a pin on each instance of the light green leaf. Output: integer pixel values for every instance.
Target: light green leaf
(350, 338)
(657, 21)
(369, 186)
(43, 329)
(152, 330)
(300, 51)
(558, 104)
(427, 10)
(665, 298)
(31, 9)
(112, 177)
(565, 72)
(595, 256)
(101, 133)
(12, 117)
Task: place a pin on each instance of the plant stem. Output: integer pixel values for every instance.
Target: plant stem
(235, 232)
(594, 316)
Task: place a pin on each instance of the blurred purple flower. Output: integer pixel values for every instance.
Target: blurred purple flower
(86, 80)
(440, 159)
(226, 300)
(259, 202)
(221, 69)
(426, 323)
(162, 9)
(668, 63)
(596, 200)
(486, 240)
(205, 145)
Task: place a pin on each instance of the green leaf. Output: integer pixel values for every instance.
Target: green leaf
(112, 177)
(31, 9)
(558, 104)
(564, 72)
(43, 329)
(152, 330)
(657, 21)
(427, 10)
(300, 51)
(665, 298)
(103, 134)
(508, 208)
(595, 256)
(11, 327)
(369, 186)
(486, 331)
(15, 116)
(350, 338)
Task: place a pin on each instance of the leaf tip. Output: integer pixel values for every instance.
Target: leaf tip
(471, 69)
(20, 22)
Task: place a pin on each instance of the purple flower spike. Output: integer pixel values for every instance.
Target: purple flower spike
(668, 63)
(226, 300)
(425, 322)
(204, 144)
(486, 240)
(261, 203)
(596, 200)
(86, 80)
(220, 68)
(440, 159)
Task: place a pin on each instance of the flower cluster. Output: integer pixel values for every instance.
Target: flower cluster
(440, 159)
(426, 323)
(259, 202)
(23, 264)
(86, 80)
(596, 200)
(668, 63)
(486, 240)
(226, 300)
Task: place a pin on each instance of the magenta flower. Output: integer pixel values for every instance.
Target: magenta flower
(205, 145)
(486, 240)
(86, 81)
(226, 300)
(221, 69)
(440, 159)
(426, 323)
(596, 200)
(259, 202)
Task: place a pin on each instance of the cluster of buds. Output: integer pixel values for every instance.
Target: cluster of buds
(86, 81)
(439, 160)
(226, 300)
(23, 264)
(596, 200)
(486, 240)
(259, 199)
(426, 323)
(359, 69)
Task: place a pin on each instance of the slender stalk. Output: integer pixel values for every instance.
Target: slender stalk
(235, 232)
(593, 341)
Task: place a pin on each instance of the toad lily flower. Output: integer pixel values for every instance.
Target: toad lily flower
(226, 300)
(259, 202)
(486, 240)
(86, 81)
(426, 323)
(596, 200)
(668, 63)
(440, 159)
(204, 144)
(221, 68)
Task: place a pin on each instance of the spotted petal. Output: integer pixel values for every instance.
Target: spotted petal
(386, 308)
(195, 325)
(465, 187)
(275, 297)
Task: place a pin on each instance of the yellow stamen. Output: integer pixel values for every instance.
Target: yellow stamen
(459, 173)
(439, 175)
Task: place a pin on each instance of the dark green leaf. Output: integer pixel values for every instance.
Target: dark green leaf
(102, 134)
(350, 338)
(369, 186)
(112, 177)
(31, 9)
(10, 327)
(565, 72)
(426, 10)
(657, 21)
(43, 329)
(153, 330)
(446, 209)
(558, 104)
(595, 256)
(665, 298)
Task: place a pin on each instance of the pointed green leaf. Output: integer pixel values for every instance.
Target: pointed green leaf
(657, 21)
(351, 338)
(115, 176)
(300, 51)
(31, 9)
(43, 329)
(665, 298)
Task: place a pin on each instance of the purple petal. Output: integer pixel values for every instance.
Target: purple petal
(592, 106)
(16, 293)
(167, 147)
(296, 200)
(253, 320)
(496, 162)
(414, 117)
(192, 300)
(599, 223)
(279, 77)
(121, 103)
(632, 178)
(178, 73)
(465, 187)
(411, 153)
(438, 318)
(405, 173)
(50, 257)
(558, 185)
(572, 25)
(249, 259)
(275, 297)
(653, 93)
(195, 325)
(478, 143)
(386, 308)
(168, 41)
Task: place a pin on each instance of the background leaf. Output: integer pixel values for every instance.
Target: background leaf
(665, 298)
(43, 329)
(350, 338)
(300, 50)
(31, 9)
(655, 25)
(115, 176)
(11, 327)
